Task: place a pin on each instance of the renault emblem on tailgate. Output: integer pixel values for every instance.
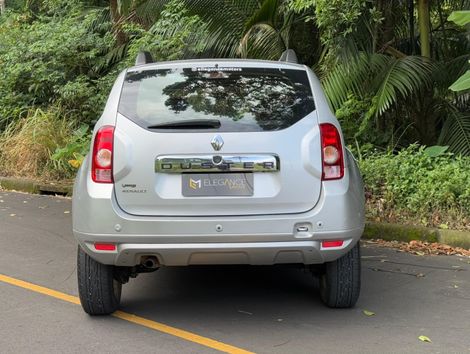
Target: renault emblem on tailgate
(217, 142)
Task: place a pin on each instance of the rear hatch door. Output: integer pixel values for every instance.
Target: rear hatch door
(217, 140)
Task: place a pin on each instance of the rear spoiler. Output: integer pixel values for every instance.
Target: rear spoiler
(289, 56)
(143, 58)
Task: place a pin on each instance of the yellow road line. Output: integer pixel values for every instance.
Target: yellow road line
(40, 289)
(180, 333)
(176, 332)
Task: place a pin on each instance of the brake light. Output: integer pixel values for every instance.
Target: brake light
(102, 162)
(331, 152)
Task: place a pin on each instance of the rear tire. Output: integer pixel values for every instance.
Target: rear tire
(99, 291)
(340, 284)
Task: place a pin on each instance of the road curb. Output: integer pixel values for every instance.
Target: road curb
(407, 233)
(36, 187)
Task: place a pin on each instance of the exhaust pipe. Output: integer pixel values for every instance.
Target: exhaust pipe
(150, 262)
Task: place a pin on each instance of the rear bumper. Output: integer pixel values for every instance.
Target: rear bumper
(260, 239)
(255, 253)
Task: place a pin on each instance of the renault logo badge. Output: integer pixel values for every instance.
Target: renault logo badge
(217, 142)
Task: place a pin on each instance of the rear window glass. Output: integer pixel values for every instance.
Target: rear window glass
(242, 99)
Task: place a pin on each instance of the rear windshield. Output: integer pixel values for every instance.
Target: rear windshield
(242, 99)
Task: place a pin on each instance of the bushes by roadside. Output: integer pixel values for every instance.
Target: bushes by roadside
(58, 62)
(419, 186)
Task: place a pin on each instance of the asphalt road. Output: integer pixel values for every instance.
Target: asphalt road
(259, 309)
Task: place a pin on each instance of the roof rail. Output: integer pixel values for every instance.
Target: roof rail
(289, 56)
(143, 58)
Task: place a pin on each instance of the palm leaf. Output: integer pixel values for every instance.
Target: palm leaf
(352, 77)
(383, 77)
(456, 132)
(266, 14)
(401, 77)
(225, 23)
(261, 41)
(247, 28)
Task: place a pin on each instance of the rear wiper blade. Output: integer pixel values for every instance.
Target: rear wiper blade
(188, 124)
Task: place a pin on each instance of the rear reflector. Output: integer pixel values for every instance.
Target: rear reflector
(105, 246)
(332, 243)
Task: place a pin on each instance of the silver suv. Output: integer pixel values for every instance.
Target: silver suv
(220, 161)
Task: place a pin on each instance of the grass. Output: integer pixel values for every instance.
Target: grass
(27, 145)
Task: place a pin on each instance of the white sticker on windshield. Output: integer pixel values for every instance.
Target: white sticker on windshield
(216, 68)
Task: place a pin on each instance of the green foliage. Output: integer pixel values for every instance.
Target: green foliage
(436, 150)
(345, 25)
(355, 116)
(456, 132)
(247, 28)
(170, 38)
(48, 60)
(338, 18)
(302, 5)
(462, 83)
(266, 34)
(428, 186)
(68, 158)
(461, 18)
(409, 98)
(407, 94)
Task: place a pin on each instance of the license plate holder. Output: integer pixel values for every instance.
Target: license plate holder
(217, 184)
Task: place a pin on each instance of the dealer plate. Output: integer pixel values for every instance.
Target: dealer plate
(217, 184)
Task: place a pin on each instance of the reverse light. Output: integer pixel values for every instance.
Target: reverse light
(102, 162)
(332, 152)
(105, 247)
(330, 155)
(332, 243)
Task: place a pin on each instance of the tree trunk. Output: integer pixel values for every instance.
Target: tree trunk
(388, 24)
(424, 30)
(443, 29)
(411, 19)
(116, 18)
(3, 6)
(426, 119)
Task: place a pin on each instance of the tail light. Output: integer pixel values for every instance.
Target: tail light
(102, 163)
(331, 152)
